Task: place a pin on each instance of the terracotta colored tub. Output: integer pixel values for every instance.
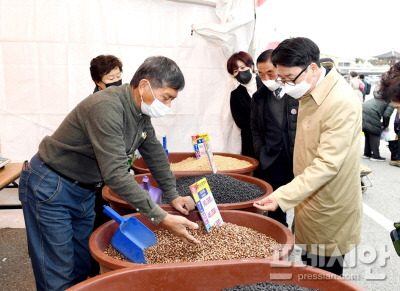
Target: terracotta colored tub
(101, 237)
(123, 208)
(140, 167)
(215, 277)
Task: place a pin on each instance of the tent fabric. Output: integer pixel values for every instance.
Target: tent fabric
(46, 47)
(212, 3)
(388, 55)
(236, 28)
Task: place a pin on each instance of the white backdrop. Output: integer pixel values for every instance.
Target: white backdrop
(46, 47)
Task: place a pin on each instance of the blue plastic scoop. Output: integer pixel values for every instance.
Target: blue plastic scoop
(131, 237)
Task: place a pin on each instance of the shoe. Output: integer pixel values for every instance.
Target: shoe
(380, 159)
(366, 157)
(395, 163)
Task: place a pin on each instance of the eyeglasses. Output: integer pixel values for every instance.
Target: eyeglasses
(290, 82)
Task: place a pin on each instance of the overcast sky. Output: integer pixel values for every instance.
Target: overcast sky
(345, 28)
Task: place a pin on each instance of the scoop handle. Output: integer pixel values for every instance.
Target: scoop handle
(113, 214)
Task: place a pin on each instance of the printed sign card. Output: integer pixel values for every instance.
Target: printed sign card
(202, 146)
(199, 143)
(206, 204)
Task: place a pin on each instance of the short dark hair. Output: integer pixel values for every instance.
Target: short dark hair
(102, 65)
(353, 74)
(239, 56)
(361, 76)
(161, 72)
(296, 52)
(389, 88)
(264, 57)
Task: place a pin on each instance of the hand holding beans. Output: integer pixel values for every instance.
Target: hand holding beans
(177, 225)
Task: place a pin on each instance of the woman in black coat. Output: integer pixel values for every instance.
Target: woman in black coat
(389, 90)
(241, 66)
(376, 117)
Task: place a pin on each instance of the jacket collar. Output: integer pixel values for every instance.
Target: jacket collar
(321, 91)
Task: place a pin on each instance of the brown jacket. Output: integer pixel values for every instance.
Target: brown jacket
(326, 190)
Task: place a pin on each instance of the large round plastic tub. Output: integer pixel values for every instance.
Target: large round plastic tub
(215, 277)
(122, 207)
(139, 165)
(101, 238)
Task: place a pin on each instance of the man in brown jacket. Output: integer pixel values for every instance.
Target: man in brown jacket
(326, 192)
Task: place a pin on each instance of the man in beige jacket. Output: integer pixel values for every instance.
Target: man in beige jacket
(326, 192)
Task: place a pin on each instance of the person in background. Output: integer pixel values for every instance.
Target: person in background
(241, 67)
(273, 125)
(326, 192)
(364, 92)
(395, 159)
(355, 84)
(376, 117)
(91, 146)
(389, 91)
(106, 71)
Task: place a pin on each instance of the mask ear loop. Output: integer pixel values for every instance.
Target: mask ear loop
(141, 95)
(152, 93)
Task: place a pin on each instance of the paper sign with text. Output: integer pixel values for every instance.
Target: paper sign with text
(206, 204)
(202, 146)
(199, 144)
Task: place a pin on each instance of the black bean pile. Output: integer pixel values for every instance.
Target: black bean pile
(225, 189)
(269, 286)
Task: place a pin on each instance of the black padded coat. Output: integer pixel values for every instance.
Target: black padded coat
(376, 115)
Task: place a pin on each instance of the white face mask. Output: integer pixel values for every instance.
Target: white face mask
(156, 109)
(271, 84)
(298, 90)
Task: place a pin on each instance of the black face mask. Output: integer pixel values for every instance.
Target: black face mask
(244, 76)
(118, 83)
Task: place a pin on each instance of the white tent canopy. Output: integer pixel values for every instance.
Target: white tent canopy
(46, 47)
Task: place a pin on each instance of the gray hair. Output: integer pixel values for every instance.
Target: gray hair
(161, 72)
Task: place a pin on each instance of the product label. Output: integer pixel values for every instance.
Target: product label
(202, 146)
(199, 143)
(206, 204)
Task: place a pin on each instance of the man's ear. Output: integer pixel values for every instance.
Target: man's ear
(314, 68)
(142, 85)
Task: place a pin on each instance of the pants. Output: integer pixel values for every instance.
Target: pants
(396, 130)
(279, 173)
(371, 148)
(99, 220)
(396, 157)
(330, 264)
(398, 149)
(59, 220)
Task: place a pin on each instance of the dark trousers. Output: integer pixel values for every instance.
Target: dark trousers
(396, 157)
(330, 264)
(279, 173)
(371, 147)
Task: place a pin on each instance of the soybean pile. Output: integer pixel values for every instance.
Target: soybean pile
(269, 286)
(225, 189)
(224, 242)
(222, 163)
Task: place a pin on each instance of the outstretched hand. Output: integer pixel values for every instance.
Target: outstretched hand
(183, 204)
(177, 225)
(267, 204)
